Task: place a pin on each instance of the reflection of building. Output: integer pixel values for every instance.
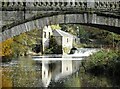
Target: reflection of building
(69, 66)
(66, 67)
(46, 74)
(60, 70)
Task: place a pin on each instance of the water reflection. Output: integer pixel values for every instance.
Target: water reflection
(21, 74)
(45, 73)
(30, 73)
(87, 80)
(57, 70)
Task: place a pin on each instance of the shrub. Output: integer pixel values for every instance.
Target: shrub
(53, 48)
(103, 61)
(66, 49)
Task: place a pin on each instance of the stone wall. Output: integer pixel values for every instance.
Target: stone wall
(84, 18)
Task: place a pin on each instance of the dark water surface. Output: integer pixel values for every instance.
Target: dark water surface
(27, 72)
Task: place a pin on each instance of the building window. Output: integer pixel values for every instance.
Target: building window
(44, 73)
(44, 34)
(67, 68)
(75, 40)
(67, 39)
(49, 34)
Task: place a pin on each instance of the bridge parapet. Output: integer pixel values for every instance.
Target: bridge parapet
(59, 4)
(15, 10)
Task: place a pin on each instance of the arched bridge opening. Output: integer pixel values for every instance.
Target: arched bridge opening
(95, 19)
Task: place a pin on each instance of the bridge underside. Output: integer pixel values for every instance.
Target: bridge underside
(105, 27)
(99, 20)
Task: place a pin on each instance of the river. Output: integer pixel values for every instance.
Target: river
(52, 71)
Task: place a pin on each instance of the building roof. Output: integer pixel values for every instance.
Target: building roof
(61, 33)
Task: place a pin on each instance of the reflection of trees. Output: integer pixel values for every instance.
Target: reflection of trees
(6, 78)
(73, 82)
(88, 80)
(24, 74)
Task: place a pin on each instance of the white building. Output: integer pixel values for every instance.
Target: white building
(66, 40)
(47, 32)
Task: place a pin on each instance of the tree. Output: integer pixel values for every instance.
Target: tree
(54, 27)
(22, 43)
(53, 48)
(19, 45)
(71, 28)
(6, 47)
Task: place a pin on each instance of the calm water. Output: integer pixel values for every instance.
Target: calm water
(34, 72)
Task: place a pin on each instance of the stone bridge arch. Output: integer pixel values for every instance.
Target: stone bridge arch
(95, 19)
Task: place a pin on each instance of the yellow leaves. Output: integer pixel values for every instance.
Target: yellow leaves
(55, 27)
(6, 79)
(5, 47)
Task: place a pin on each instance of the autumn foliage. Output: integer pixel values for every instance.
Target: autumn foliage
(5, 47)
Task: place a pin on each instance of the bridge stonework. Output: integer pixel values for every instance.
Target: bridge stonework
(26, 16)
(33, 4)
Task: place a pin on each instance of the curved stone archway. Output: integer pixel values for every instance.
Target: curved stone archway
(100, 20)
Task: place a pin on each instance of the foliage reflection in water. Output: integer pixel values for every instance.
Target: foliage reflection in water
(63, 73)
(83, 80)
(30, 73)
(22, 74)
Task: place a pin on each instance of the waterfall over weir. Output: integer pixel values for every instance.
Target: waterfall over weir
(78, 55)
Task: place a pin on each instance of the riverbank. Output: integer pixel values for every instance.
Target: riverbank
(106, 61)
(87, 80)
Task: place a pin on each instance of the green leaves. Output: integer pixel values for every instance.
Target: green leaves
(53, 48)
(24, 42)
(55, 27)
(103, 62)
